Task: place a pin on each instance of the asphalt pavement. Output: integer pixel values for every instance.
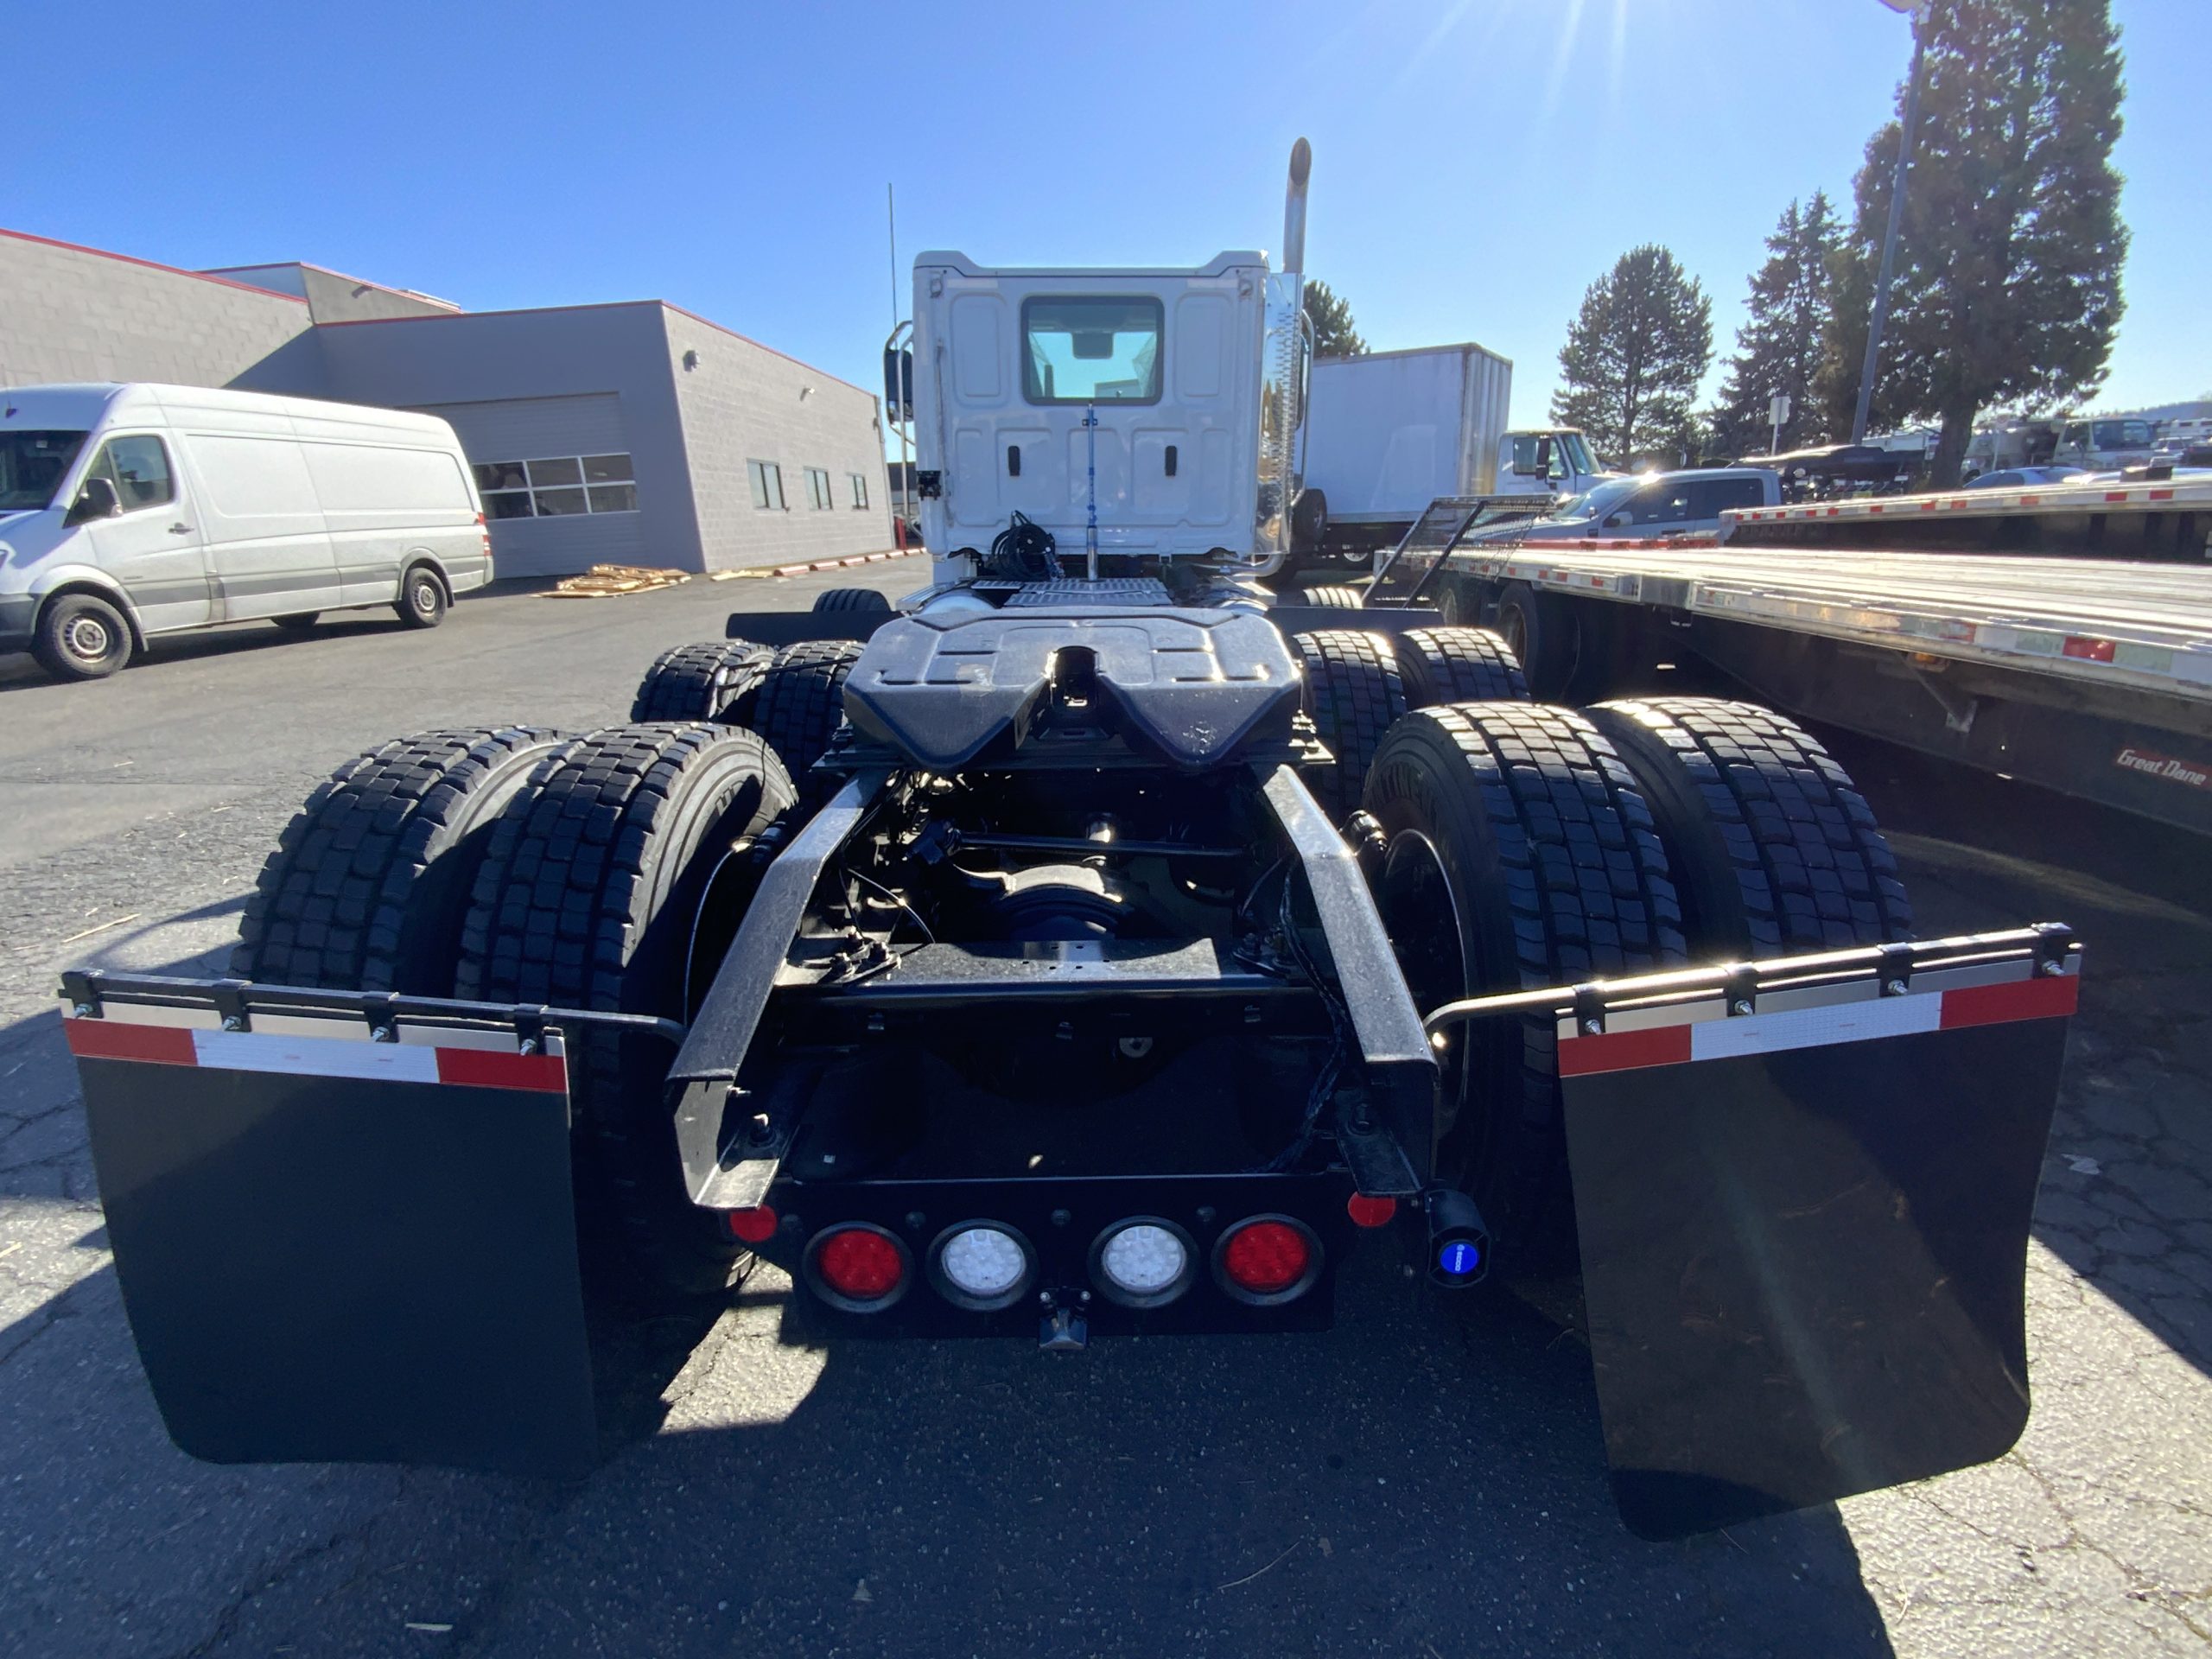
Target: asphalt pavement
(1426, 1480)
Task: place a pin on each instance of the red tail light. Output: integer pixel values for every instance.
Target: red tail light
(1267, 1259)
(860, 1267)
(752, 1226)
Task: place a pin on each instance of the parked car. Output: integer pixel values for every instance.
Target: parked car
(131, 511)
(1649, 505)
(2016, 478)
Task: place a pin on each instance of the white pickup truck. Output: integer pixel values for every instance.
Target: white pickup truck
(1648, 505)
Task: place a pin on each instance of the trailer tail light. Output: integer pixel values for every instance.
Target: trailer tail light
(983, 1265)
(1267, 1259)
(754, 1226)
(1143, 1261)
(858, 1267)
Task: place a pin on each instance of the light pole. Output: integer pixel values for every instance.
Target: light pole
(1918, 10)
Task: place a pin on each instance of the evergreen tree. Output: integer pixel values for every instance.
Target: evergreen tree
(2007, 283)
(1634, 357)
(1331, 316)
(1779, 346)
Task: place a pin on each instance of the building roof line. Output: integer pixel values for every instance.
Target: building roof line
(600, 305)
(342, 275)
(151, 264)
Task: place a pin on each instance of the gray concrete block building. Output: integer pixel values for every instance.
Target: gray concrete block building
(631, 433)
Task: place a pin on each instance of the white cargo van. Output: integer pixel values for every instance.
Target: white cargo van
(132, 511)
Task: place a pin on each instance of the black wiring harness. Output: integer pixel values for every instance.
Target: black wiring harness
(1023, 551)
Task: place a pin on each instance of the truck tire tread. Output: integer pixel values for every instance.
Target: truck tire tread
(800, 700)
(1558, 872)
(588, 898)
(1459, 665)
(365, 881)
(1354, 692)
(1775, 849)
(699, 681)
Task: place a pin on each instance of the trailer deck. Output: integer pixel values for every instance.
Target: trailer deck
(2093, 676)
(2167, 518)
(2145, 626)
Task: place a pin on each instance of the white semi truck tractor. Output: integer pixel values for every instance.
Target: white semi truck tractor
(1092, 946)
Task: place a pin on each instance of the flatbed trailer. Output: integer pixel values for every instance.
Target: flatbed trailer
(2090, 676)
(2167, 519)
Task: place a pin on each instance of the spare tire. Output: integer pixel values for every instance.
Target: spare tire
(800, 700)
(699, 681)
(1459, 665)
(366, 889)
(1774, 849)
(1353, 692)
(851, 599)
(1520, 853)
(592, 896)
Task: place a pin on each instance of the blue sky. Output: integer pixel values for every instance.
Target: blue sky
(1477, 162)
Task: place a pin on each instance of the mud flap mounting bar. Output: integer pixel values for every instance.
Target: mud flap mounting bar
(1802, 1191)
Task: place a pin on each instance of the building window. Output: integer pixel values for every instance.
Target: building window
(860, 489)
(556, 486)
(818, 488)
(767, 484)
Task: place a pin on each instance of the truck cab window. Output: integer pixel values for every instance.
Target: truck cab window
(139, 469)
(1096, 350)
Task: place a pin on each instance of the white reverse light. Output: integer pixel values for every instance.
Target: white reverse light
(1143, 1261)
(983, 1263)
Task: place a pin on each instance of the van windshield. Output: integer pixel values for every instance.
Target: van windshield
(32, 464)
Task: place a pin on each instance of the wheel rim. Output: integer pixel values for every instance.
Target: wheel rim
(425, 596)
(87, 638)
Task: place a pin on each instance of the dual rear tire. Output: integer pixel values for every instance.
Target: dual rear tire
(1530, 845)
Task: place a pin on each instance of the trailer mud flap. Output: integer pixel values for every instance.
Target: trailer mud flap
(1804, 1232)
(335, 1248)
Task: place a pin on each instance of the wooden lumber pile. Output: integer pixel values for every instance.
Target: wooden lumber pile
(610, 580)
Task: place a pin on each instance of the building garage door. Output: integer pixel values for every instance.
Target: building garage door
(555, 474)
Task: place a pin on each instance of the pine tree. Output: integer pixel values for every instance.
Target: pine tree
(1779, 346)
(1634, 357)
(2008, 284)
(1331, 316)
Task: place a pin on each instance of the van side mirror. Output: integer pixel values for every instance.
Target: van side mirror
(1617, 520)
(96, 498)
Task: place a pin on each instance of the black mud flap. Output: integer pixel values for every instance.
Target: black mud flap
(335, 1248)
(1804, 1231)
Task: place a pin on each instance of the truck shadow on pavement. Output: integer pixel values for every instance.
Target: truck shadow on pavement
(1427, 1478)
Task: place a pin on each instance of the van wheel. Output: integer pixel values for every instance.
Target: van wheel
(421, 598)
(81, 638)
(298, 622)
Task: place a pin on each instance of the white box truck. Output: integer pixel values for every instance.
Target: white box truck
(132, 511)
(1389, 432)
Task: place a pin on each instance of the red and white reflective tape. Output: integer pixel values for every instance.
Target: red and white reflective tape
(1726, 1038)
(314, 1057)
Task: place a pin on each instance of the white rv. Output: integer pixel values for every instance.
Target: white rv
(131, 511)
